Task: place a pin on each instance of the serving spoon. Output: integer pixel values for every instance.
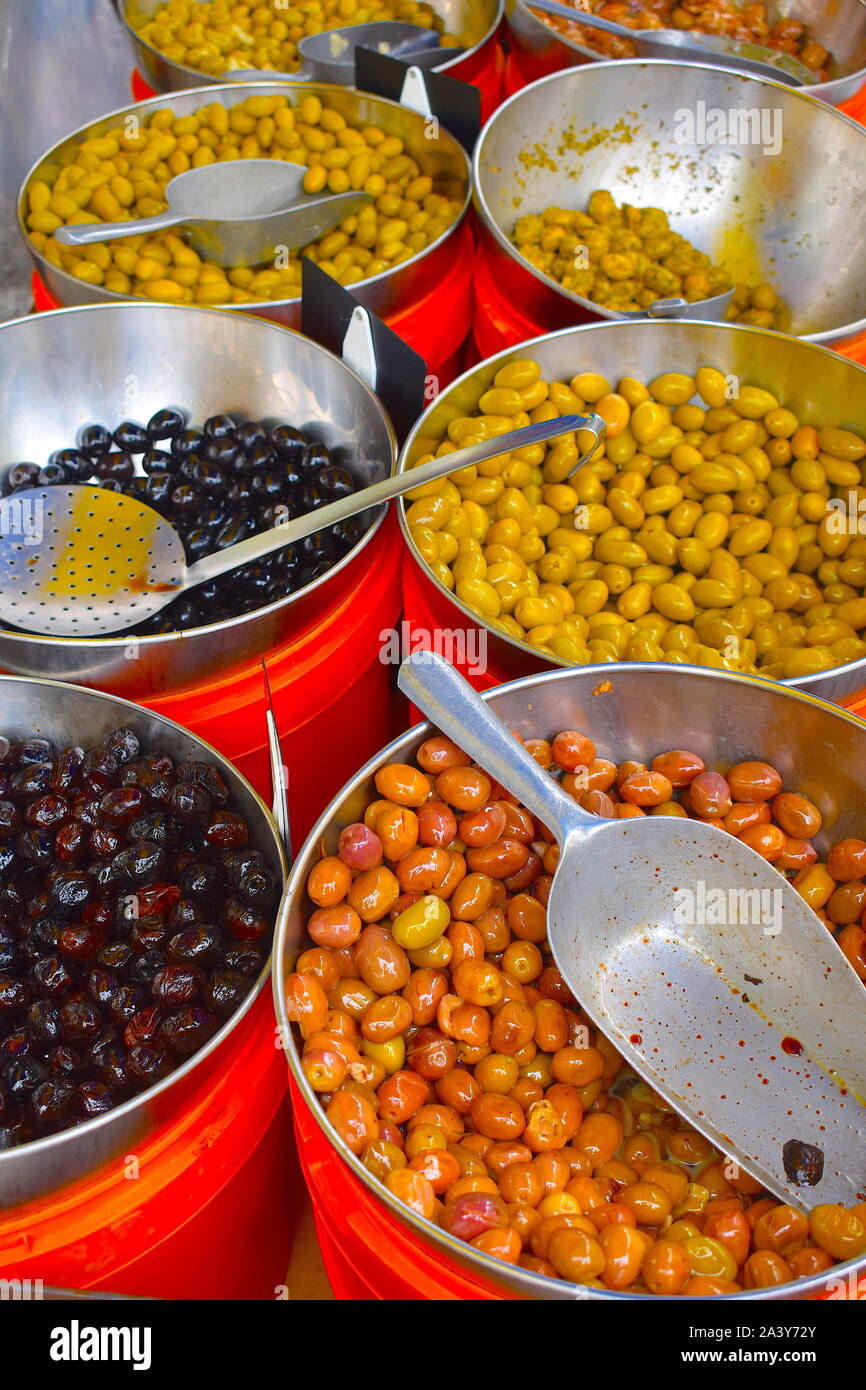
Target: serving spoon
(753, 1033)
(237, 213)
(330, 56)
(105, 561)
(686, 43)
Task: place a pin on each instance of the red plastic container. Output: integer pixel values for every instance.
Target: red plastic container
(209, 1215)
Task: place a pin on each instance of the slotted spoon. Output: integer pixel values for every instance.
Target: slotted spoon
(237, 213)
(755, 1074)
(686, 43)
(330, 56)
(81, 561)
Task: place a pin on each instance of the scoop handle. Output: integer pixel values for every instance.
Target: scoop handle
(286, 534)
(88, 232)
(450, 703)
(592, 21)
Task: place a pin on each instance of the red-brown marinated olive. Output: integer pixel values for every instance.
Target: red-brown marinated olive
(480, 828)
(329, 882)
(423, 869)
(753, 781)
(431, 1054)
(437, 824)
(500, 859)
(797, 816)
(472, 898)
(402, 783)
(680, 767)
(374, 893)
(464, 788)
(571, 750)
(847, 861)
(710, 795)
(439, 753)
(335, 927)
(383, 965)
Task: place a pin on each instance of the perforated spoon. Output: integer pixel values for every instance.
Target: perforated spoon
(81, 561)
(743, 1028)
(686, 43)
(237, 213)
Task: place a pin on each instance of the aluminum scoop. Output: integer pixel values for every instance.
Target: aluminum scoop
(330, 56)
(81, 561)
(739, 1027)
(686, 43)
(237, 213)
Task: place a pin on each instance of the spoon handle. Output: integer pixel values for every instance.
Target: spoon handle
(290, 531)
(89, 232)
(452, 705)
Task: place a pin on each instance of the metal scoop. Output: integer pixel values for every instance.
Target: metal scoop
(237, 213)
(330, 56)
(685, 43)
(677, 308)
(81, 561)
(743, 1029)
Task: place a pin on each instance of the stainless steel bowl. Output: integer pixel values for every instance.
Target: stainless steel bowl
(107, 363)
(817, 748)
(474, 22)
(840, 27)
(437, 154)
(68, 714)
(635, 127)
(820, 386)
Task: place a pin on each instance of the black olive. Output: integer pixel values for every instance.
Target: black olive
(51, 475)
(185, 498)
(209, 477)
(123, 745)
(267, 485)
(33, 750)
(233, 532)
(251, 433)
(316, 456)
(335, 481)
(165, 424)
(222, 451)
(95, 440)
(131, 438)
(76, 464)
(156, 490)
(240, 493)
(119, 466)
(142, 863)
(202, 880)
(186, 443)
(23, 475)
(197, 543)
(289, 443)
(95, 1098)
(218, 426)
(158, 461)
(225, 991)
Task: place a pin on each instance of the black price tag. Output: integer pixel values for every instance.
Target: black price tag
(456, 105)
(394, 370)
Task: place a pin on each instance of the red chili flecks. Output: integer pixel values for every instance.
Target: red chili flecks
(636, 1039)
(792, 1046)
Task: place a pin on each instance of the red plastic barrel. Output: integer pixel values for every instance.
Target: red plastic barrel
(202, 1210)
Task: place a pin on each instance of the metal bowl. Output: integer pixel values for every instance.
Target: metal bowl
(638, 128)
(839, 27)
(68, 713)
(816, 747)
(438, 154)
(820, 386)
(474, 22)
(106, 363)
